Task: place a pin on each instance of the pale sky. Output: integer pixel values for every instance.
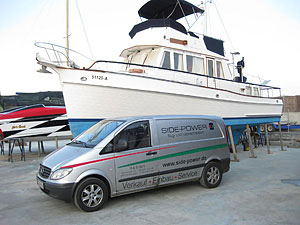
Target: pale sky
(265, 32)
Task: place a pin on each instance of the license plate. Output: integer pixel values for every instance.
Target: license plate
(40, 183)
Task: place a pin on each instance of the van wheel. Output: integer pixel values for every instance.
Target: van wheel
(211, 175)
(90, 194)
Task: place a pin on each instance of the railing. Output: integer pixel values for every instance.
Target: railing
(58, 54)
(195, 78)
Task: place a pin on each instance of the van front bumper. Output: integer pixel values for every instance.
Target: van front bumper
(55, 190)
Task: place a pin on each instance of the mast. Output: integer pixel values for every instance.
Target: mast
(67, 31)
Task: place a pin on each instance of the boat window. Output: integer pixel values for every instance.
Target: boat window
(166, 60)
(152, 57)
(138, 57)
(195, 64)
(248, 90)
(210, 67)
(220, 72)
(255, 91)
(178, 61)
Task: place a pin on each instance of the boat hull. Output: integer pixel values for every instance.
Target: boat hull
(93, 95)
(35, 122)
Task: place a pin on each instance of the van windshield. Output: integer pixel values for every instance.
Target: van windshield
(92, 136)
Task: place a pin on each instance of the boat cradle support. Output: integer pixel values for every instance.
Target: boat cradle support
(236, 127)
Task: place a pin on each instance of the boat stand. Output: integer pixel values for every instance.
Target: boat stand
(280, 137)
(41, 147)
(2, 147)
(11, 145)
(250, 142)
(236, 159)
(267, 138)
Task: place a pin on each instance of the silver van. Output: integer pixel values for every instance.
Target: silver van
(125, 155)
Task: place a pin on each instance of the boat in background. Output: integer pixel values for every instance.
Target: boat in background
(35, 121)
(168, 70)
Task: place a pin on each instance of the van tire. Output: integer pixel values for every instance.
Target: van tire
(90, 194)
(211, 175)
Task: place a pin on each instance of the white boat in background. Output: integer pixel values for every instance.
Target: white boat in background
(168, 70)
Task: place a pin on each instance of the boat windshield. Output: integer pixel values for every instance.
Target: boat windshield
(144, 57)
(92, 136)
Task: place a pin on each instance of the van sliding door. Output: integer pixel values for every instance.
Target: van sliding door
(187, 144)
(135, 165)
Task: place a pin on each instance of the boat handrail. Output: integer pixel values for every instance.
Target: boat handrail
(266, 87)
(58, 52)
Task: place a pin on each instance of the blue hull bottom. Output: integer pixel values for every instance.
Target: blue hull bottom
(238, 125)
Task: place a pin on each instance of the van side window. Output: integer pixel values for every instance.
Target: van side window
(135, 136)
(107, 149)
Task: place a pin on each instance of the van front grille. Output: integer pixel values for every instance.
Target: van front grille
(44, 171)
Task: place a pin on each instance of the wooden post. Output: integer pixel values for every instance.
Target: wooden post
(280, 136)
(56, 141)
(233, 145)
(250, 142)
(255, 138)
(267, 138)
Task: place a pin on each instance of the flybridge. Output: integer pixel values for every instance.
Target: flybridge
(164, 14)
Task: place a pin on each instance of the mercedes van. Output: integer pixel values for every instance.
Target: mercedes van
(125, 155)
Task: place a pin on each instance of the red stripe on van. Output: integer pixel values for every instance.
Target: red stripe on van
(115, 157)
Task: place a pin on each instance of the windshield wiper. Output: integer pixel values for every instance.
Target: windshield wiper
(79, 142)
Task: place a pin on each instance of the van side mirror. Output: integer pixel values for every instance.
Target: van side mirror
(122, 145)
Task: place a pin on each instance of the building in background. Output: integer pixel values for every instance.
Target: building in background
(49, 98)
(291, 110)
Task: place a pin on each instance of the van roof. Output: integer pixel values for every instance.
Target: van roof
(167, 117)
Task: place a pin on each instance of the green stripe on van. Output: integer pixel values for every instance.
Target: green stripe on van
(177, 154)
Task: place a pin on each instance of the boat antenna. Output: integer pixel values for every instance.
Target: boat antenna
(84, 30)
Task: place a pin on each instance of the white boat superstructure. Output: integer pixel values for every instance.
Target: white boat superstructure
(167, 70)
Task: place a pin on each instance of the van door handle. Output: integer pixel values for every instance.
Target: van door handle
(151, 153)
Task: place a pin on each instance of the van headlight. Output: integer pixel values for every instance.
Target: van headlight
(61, 173)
